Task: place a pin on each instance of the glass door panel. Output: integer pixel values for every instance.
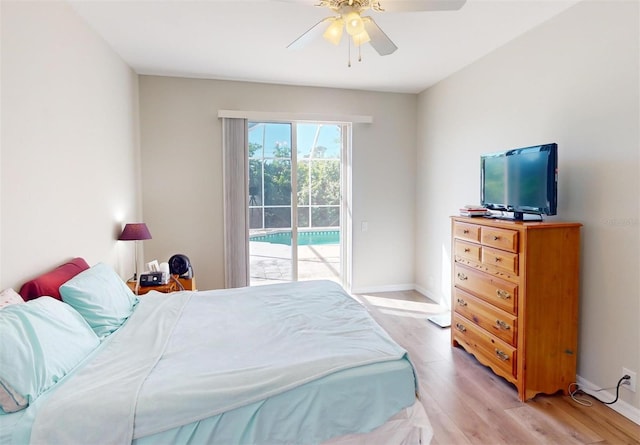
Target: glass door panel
(319, 180)
(270, 207)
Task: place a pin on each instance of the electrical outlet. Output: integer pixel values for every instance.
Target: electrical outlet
(631, 383)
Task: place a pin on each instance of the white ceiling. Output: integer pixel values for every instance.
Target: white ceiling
(247, 40)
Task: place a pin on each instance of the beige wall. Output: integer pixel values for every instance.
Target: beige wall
(69, 172)
(182, 171)
(573, 80)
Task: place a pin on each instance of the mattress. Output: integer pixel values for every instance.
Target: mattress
(359, 399)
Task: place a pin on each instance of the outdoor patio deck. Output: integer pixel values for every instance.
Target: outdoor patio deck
(271, 263)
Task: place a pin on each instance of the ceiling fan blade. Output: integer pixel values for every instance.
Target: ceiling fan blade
(379, 40)
(421, 5)
(311, 34)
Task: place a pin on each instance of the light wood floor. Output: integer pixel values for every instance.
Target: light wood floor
(468, 404)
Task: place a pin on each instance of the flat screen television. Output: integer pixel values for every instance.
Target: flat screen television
(521, 180)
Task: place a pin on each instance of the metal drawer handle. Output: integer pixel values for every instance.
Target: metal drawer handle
(496, 237)
(503, 294)
(460, 327)
(461, 302)
(497, 260)
(502, 355)
(462, 276)
(467, 250)
(502, 325)
(465, 231)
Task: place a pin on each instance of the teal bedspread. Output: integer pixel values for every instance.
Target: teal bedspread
(190, 356)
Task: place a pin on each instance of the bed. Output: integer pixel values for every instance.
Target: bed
(296, 363)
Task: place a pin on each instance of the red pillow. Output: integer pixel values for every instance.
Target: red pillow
(50, 282)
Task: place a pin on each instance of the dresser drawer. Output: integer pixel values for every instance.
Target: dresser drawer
(506, 261)
(499, 238)
(491, 351)
(493, 320)
(500, 293)
(466, 250)
(470, 232)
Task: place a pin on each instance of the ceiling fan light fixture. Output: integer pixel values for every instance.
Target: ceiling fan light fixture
(361, 38)
(333, 33)
(354, 23)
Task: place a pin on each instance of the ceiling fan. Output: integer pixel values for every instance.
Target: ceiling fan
(362, 29)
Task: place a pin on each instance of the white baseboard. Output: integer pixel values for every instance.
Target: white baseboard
(399, 288)
(386, 288)
(423, 291)
(427, 293)
(626, 409)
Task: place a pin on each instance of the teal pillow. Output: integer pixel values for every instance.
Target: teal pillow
(41, 341)
(101, 297)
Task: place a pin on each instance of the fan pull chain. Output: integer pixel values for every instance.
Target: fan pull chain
(360, 53)
(349, 46)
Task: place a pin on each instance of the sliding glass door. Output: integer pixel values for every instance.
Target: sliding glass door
(295, 201)
(271, 222)
(319, 190)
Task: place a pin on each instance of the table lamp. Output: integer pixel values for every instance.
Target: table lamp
(135, 232)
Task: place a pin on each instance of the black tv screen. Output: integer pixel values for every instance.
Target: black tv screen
(521, 180)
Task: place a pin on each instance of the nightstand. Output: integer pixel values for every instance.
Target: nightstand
(171, 286)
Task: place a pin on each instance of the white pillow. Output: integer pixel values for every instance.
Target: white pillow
(9, 297)
(101, 297)
(42, 341)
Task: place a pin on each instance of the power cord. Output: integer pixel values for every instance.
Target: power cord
(573, 393)
(174, 278)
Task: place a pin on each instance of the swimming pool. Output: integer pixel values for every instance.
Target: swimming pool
(306, 238)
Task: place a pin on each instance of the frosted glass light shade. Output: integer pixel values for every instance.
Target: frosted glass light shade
(361, 38)
(354, 23)
(333, 32)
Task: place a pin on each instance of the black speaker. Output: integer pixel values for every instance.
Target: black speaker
(180, 265)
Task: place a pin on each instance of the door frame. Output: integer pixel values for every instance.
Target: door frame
(346, 223)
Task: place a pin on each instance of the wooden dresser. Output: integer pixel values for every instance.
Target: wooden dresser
(515, 299)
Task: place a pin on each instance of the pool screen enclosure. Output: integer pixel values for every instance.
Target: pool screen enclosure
(295, 188)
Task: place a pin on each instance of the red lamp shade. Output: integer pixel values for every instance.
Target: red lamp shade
(135, 232)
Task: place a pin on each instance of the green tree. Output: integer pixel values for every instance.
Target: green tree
(318, 183)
